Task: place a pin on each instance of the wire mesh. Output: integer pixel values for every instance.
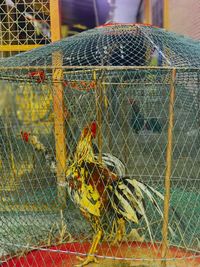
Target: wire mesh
(24, 25)
(115, 85)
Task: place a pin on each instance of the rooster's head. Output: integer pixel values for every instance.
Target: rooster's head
(90, 129)
(25, 136)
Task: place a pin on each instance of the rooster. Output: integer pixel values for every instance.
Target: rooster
(139, 123)
(94, 188)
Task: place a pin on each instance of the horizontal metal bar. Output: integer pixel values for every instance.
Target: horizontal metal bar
(83, 68)
(5, 207)
(17, 48)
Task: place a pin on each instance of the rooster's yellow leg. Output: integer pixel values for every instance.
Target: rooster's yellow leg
(121, 230)
(91, 257)
(112, 233)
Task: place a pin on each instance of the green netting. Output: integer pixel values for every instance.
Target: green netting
(120, 76)
(118, 45)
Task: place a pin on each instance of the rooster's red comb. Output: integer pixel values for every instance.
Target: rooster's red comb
(25, 136)
(93, 128)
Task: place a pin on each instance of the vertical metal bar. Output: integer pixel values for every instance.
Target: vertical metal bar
(99, 119)
(107, 113)
(58, 103)
(55, 20)
(168, 169)
(198, 98)
(8, 26)
(147, 12)
(166, 14)
(126, 150)
(99, 99)
(59, 130)
(12, 178)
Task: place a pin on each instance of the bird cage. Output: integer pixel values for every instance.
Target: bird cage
(103, 132)
(24, 25)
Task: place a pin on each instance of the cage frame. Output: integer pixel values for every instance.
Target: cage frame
(58, 71)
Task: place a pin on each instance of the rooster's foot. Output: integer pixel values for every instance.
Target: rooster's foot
(89, 259)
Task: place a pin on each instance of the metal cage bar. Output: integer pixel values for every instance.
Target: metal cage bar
(59, 108)
(168, 168)
(166, 14)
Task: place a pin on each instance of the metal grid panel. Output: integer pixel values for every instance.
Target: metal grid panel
(24, 25)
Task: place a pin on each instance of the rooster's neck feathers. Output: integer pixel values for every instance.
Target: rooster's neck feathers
(84, 150)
